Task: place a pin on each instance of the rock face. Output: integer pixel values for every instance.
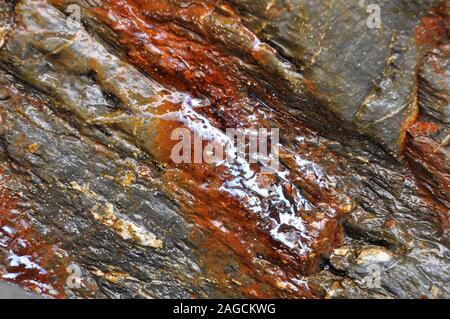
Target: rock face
(434, 86)
(92, 203)
(361, 68)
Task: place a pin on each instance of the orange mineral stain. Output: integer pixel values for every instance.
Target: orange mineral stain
(29, 260)
(434, 27)
(280, 222)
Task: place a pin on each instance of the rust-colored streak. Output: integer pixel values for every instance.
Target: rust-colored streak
(229, 225)
(184, 64)
(434, 27)
(424, 151)
(29, 260)
(181, 62)
(429, 161)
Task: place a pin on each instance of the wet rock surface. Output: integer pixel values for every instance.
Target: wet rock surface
(93, 205)
(360, 70)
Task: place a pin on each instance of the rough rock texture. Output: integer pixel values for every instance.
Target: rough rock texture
(434, 93)
(79, 196)
(362, 74)
(87, 180)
